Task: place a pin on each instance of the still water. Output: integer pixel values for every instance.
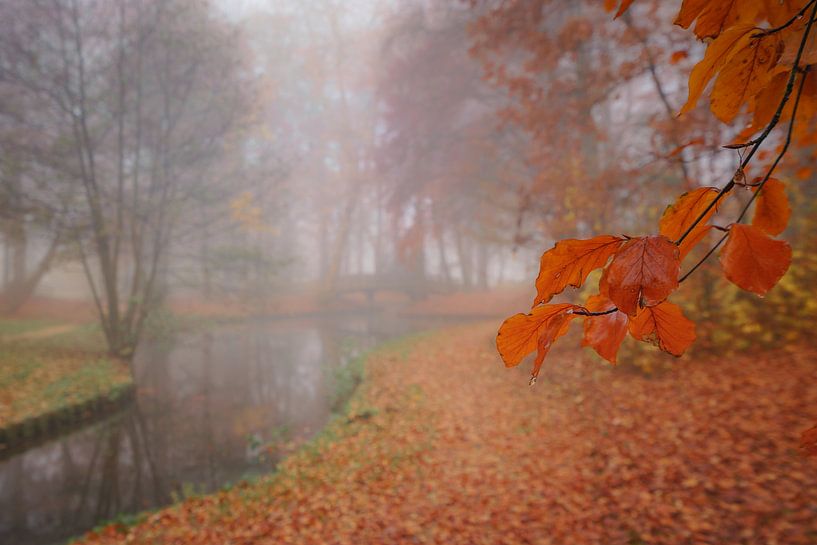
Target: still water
(206, 403)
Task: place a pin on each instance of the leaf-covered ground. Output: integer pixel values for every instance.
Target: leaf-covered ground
(443, 445)
(40, 375)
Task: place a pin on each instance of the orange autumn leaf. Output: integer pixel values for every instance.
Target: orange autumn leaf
(666, 326)
(610, 5)
(570, 261)
(808, 441)
(772, 210)
(693, 238)
(679, 216)
(643, 273)
(678, 56)
(717, 55)
(792, 37)
(521, 334)
(712, 17)
(746, 74)
(778, 12)
(754, 261)
(766, 103)
(606, 332)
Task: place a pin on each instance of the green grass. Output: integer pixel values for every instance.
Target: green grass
(10, 327)
(86, 338)
(54, 373)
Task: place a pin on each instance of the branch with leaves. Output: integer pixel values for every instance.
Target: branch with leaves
(765, 71)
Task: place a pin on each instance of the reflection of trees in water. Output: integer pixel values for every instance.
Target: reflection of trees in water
(13, 487)
(121, 474)
(70, 484)
(198, 400)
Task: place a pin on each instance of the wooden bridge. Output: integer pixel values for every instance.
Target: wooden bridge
(370, 284)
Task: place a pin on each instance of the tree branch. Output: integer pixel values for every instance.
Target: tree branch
(787, 24)
(761, 183)
(757, 142)
(772, 124)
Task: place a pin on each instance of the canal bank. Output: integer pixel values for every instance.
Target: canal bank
(212, 406)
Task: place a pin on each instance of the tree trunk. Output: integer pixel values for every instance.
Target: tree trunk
(23, 284)
(465, 260)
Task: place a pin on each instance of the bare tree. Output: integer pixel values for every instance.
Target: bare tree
(145, 97)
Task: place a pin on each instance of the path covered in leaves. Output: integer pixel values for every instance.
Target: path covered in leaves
(444, 445)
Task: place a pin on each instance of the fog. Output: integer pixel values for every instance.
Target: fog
(242, 150)
(229, 201)
(237, 151)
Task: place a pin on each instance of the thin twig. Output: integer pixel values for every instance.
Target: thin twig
(786, 24)
(755, 145)
(589, 313)
(704, 258)
(772, 124)
(762, 182)
(782, 151)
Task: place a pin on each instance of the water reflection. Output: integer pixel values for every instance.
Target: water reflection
(205, 402)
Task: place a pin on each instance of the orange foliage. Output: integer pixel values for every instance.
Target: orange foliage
(605, 332)
(761, 69)
(681, 215)
(643, 273)
(711, 18)
(748, 72)
(772, 210)
(623, 6)
(678, 56)
(752, 260)
(664, 325)
(718, 54)
(521, 334)
(570, 261)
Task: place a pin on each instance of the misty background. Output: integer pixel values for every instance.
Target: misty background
(220, 206)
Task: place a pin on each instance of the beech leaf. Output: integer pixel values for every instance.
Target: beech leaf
(717, 55)
(752, 260)
(766, 103)
(715, 16)
(521, 334)
(772, 210)
(792, 37)
(746, 74)
(570, 261)
(643, 273)
(610, 5)
(779, 12)
(666, 326)
(679, 216)
(604, 333)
